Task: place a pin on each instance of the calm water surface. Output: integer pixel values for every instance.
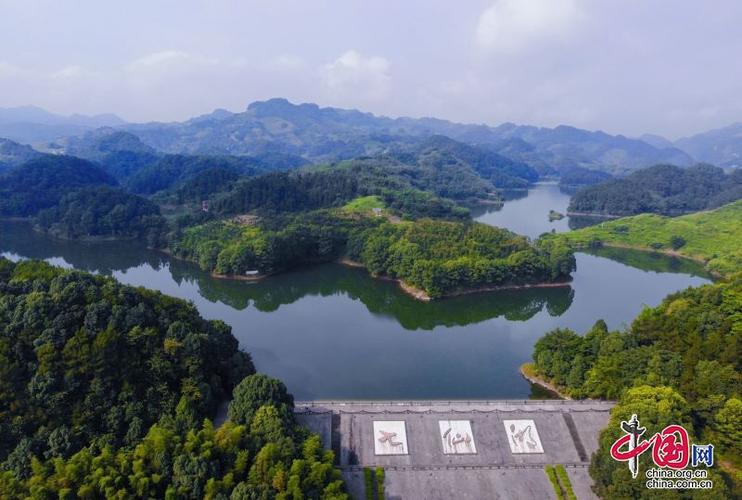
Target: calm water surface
(334, 332)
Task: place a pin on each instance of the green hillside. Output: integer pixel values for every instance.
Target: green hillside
(712, 236)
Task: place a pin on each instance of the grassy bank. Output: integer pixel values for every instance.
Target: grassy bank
(711, 237)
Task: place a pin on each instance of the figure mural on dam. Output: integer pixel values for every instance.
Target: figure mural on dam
(390, 437)
(523, 436)
(457, 437)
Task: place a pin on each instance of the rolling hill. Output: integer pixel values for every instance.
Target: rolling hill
(711, 237)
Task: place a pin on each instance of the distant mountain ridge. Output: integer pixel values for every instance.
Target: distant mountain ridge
(722, 146)
(30, 124)
(326, 134)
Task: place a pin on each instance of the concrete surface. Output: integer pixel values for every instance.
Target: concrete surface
(568, 431)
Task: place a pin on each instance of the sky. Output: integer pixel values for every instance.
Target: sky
(669, 67)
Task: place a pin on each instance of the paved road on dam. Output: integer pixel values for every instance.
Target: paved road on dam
(460, 449)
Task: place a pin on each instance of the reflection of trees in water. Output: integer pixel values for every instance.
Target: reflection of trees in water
(651, 261)
(505, 195)
(384, 298)
(104, 257)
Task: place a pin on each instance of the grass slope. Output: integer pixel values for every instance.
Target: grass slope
(364, 204)
(712, 236)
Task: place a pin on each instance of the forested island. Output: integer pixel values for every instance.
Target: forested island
(106, 391)
(437, 257)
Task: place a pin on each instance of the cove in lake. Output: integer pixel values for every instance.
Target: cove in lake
(329, 331)
(527, 212)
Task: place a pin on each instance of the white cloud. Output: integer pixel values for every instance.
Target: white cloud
(160, 58)
(70, 72)
(9, 70)
(287, 62)
(513, 25)
(354, 74)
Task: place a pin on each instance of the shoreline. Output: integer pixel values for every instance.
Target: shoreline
(236, 277)
(526, 371)
(423, 296)
(668, 252)
(595, 214)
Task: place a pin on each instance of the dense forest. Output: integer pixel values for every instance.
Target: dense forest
(573, 178)
(285, 192)
(13, 154)
(84, 359)
(104, 212)
(169, 170)
(662, 189)
(443, 258)
(104, 391)
(501, 171)
(677, 363)
(267, 245)
(439, 257)
(42, 182)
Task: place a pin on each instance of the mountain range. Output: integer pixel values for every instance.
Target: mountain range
(326, 134)
(31, 124)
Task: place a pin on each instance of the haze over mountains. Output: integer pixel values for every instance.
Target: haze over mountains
(30, 124)
(330, 134)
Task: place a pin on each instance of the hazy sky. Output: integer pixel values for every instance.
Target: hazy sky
(672, 67)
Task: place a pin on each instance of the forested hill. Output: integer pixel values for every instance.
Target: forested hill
(104, 392)
(502, 172)
(102, 212)
(144, 170)
(661, 189)
(13, 154)
(83, 358)
(42, 182)
(678, 363)
(325, 134)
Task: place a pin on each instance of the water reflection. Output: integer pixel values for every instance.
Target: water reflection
(380, 297)
(527, 212)
(334, 332)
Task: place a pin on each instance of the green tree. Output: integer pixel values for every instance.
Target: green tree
(255, 391)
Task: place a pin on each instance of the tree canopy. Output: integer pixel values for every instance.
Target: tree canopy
(42, 182)
(679, 362)
(662, 189)
(104, 212)
(106, 391)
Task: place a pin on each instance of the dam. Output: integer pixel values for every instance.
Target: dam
(460, 449)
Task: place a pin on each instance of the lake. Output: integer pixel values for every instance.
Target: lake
(333, 332)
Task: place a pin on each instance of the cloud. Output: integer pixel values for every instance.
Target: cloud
(161, 58)
(354, 74)
(70, 72)
(9, 70)
(513, 25)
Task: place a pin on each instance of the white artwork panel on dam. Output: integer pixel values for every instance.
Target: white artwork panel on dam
(457, 437)
(523, 436)
(390, 437)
